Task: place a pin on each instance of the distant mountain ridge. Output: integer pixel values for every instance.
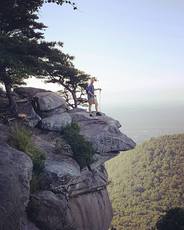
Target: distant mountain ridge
(147, 181)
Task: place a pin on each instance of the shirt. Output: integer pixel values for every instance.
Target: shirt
(90, 90)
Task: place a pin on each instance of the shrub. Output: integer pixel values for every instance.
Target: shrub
(82, 149)
(35, 183)
(38, 158)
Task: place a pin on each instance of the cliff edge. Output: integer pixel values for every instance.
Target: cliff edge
(69, 197)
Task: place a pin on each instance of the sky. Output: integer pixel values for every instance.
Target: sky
(135, 48)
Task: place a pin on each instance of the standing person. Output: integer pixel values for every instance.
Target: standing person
(92, 97)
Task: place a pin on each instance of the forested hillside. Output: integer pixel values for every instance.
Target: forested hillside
(147, 181)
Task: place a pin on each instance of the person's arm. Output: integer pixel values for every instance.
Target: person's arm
(89, 92)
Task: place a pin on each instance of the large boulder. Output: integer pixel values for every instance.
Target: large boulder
(91, 211)
(89, 204)
(49, 211)
(57, 174)
(28, 92)
(15, 176)
(48, 101)
(78, 201)
(56, 122)
(103, 132)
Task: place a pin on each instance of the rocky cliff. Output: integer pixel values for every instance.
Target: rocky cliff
(68, 198)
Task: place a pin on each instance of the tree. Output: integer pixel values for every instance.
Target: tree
(23, 52)
(72, 80)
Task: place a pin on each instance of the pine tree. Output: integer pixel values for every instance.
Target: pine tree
(73, 82)
(23, 52)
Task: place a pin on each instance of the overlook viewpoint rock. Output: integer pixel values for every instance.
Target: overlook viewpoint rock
(69, 198)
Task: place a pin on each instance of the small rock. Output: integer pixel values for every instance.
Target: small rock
(62, 148)
(32, 118)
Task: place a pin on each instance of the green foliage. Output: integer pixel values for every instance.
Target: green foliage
(82, 149)
(172, 220)
(147, 181)
(35, 183)
(38, 158)
(22, 16)
(23, 53)
(72, 80)
(21, 139)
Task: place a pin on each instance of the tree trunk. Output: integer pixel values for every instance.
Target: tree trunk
(12, 102)
(74, 99)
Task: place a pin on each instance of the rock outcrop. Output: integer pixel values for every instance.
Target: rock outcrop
(25, 107)
(15, 176)
(56, 122)
(28, 92)
(49, 211)
(69, 198)
(102, 131)
(49, 101)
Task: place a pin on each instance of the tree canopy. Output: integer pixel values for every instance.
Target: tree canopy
(72, 81)
(147, 181)
(23, 51)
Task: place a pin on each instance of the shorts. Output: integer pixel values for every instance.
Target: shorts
(92, 100)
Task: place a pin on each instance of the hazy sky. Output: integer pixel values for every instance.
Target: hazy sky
(135, 48)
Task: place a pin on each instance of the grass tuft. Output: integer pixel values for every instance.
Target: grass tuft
(21, 139)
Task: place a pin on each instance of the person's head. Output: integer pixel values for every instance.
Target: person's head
(93, 79)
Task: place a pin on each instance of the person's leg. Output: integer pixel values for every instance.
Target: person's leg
(90, 107)
(96, 105)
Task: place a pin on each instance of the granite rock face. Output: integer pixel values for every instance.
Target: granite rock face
(49, 211)
(27, 224)
(32, 117)
(103, 132)
(73, 200)
(56, 122)
(91, 211)
(49, 101)
(88, 205)
(15, 176)
(69, 198)
(28, 92)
